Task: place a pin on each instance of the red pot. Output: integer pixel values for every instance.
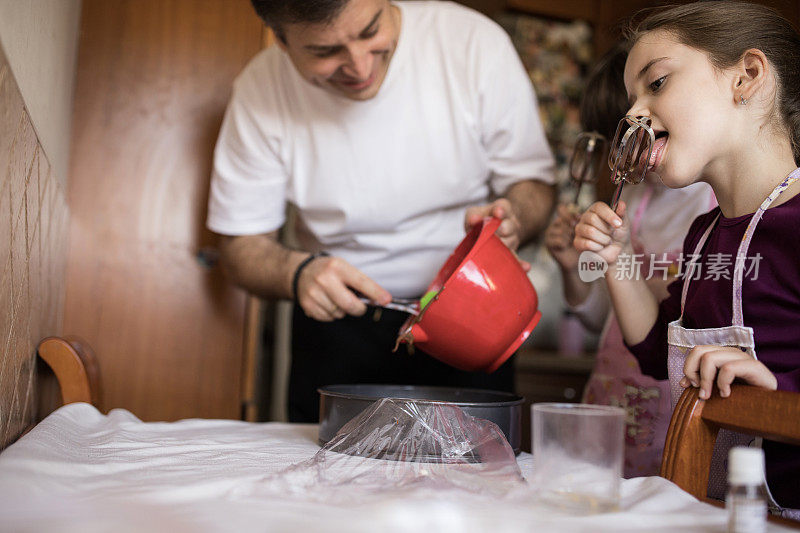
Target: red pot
(485, 308)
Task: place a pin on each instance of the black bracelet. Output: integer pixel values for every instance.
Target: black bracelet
(300, 267)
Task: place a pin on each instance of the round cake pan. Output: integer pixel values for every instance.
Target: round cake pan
(338, 404)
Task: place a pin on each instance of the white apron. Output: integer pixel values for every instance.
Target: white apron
(681, 340)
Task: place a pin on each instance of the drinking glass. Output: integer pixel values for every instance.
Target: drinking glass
(577, 456)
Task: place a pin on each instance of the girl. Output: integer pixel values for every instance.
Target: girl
(661, 219)
(719, 80)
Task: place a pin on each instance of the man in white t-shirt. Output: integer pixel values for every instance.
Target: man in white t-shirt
(391, 128)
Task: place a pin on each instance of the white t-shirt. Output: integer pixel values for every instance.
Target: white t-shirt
(382, 183)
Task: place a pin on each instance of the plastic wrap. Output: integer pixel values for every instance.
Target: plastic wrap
(402, 444)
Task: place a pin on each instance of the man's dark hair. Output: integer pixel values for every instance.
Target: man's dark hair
(277, 13)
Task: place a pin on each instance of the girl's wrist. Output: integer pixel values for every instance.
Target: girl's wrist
(616, 267)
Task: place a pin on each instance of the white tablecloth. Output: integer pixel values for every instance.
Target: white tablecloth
(80, 470)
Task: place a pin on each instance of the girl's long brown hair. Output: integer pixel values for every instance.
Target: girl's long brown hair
(725, 30)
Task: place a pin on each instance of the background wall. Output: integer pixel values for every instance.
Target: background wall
(40, 37)
(154, 77)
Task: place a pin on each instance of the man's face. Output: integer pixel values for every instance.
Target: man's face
(350, 55)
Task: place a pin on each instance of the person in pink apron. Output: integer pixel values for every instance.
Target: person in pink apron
(656, 233)
(719, 84)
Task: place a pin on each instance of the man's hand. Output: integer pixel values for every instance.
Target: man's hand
(263, 266)
(324, 289)
(510, 228)
(705, 364)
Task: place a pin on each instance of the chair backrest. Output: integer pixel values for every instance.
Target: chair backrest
(75, 366)
(693, 429)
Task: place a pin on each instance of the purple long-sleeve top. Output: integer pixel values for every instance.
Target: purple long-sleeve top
(770, 305)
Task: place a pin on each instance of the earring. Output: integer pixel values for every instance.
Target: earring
(742, 100)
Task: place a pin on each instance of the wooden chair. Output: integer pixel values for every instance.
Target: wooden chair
(75, 366)
(774, 415)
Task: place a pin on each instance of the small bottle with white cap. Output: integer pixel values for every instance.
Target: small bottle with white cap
(746, 500)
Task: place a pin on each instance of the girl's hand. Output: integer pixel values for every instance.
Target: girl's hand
(705, 363)
(559, 235)
(603, 231)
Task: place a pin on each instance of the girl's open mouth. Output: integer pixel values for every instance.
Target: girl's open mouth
(659, 146)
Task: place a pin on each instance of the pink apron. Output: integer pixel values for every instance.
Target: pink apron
(681, 339)
(617, 380)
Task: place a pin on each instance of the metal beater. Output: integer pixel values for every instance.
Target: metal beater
(630, 153)
(586, 157)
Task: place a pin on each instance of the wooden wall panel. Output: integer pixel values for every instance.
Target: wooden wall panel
(33, 238)
(154, 77)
